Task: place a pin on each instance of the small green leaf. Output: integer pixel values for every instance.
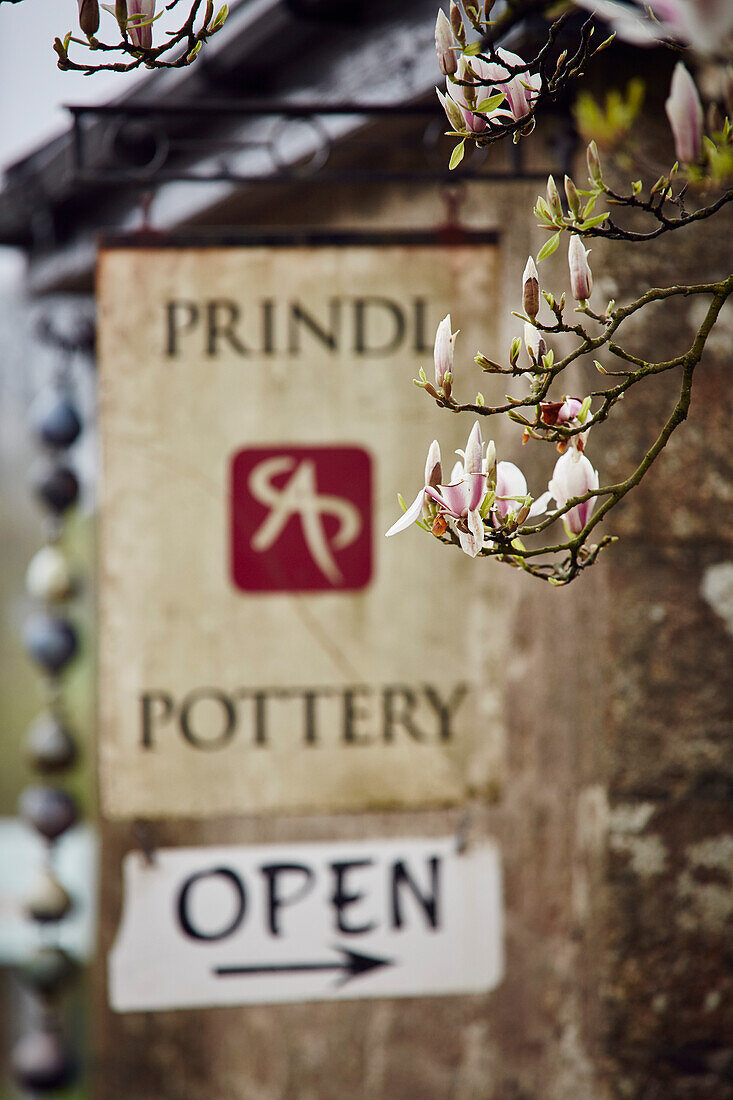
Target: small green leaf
(401, 501)
(588, 208)
(548, 247)
(486, 106)
(219, 18)
(472, 49)
(457, 155)
(636, 187)
(591, 223)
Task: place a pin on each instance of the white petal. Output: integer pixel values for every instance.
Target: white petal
(539, 506)
(413, 512)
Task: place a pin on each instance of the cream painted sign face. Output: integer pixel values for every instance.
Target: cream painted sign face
(307, 922)
(263, 647)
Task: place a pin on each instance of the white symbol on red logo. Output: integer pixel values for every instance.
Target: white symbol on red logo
(301, 519)
(299, 497)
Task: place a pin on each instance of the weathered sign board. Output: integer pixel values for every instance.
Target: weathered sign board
(303, 922)
(263, 648)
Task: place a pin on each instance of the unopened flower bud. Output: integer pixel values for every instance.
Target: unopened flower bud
(684, 112)
(89, 16)
(572, 196)
(534, 342)
(531, 289)
(443, 352)
(594, 164)
(553, 198)
(581, 279)
(452, 111)
(574, 476)
(445, 45)
(456, 22)
(433, 468)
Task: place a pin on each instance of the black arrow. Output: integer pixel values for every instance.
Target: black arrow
(351, 965)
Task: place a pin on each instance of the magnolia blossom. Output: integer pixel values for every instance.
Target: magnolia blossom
(488, 78)
(560, 412)
(581, 279)
(684, 111)
(705, 25)
(459, 502)
(564, 414)
(445, 44)
(443, 351)
(573, 476)
(520, 90)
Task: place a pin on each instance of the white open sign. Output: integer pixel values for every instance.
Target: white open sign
(301, 922)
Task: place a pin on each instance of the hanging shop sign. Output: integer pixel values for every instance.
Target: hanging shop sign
(263, 647)
(305, 922)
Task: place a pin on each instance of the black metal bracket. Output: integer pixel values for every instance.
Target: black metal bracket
(143, 144)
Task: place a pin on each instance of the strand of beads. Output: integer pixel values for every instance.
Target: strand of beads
(41, 1059)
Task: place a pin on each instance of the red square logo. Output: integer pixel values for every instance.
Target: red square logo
(301, 519)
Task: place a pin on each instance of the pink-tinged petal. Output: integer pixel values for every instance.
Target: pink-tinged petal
(581, 279)
(413, 513)
(472, 540)
(476, 490)
(474, 452)
(569, 410)
(461, 497)
(443, 350)
(455, 497)
(685, 115)
(510, 485)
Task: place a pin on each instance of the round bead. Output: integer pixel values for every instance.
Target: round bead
(51, 641)
(48, 744)
(47, 900)
(49, 810)
(55, 420)
(49, 576)
(47, 970)
(40, 1061)
(56, 486)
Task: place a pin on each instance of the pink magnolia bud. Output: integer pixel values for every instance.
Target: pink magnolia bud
(531, 289)
(581, 279)
(445, 45)
(684, 112)
(574, 476)
(443, 353)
